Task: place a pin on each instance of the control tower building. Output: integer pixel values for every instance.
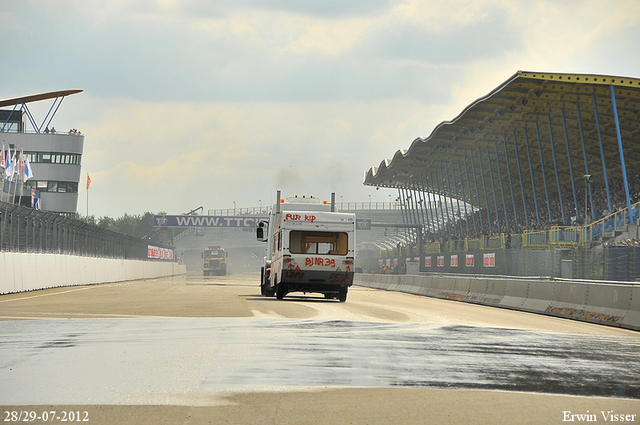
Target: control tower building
(55, 156)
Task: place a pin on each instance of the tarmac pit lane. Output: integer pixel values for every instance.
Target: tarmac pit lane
(195, 361)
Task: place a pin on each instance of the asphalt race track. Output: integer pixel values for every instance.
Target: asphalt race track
(200, 350)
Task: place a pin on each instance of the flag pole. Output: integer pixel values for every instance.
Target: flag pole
(87, 196)
(3, 171)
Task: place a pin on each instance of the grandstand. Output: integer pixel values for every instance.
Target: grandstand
(543, 160)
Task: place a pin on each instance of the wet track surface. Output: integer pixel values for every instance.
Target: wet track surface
(187, 361)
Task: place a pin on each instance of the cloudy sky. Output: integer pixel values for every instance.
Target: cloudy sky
(192, 103)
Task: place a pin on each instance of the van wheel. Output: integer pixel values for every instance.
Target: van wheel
(342, 295)
(279, 291)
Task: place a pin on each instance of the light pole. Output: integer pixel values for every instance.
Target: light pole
(587, 180)
(369, 201)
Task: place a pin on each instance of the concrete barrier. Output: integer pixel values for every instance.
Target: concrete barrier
(613, 304)
(28, 271)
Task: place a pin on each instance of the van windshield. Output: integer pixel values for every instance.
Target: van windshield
(323, 243)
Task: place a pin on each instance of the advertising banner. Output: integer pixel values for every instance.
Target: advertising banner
(490, 260)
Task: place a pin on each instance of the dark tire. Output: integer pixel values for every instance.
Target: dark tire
(263, 290)
(342, 295)
(279, 292)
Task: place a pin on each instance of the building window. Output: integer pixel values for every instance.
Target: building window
(53, 158)
(47, 186)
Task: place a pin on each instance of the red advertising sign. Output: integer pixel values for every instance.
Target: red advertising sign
(490, 260)
(427, 261)
(440, 260)
(469, 260)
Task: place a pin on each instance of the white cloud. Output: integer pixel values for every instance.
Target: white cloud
(192, 103)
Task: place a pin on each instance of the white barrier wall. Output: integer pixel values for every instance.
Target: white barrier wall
(26, 271)
(613, 304)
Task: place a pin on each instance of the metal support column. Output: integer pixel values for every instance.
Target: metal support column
(622, 165)
(504, 201)
(450, 194)
(524, 201)
(455, 187)
(604, 165)
(434, 191)
(464, 200)
(473, 213)
(422, 214)
(493, 189)
(473, 167)
(427, 203)
(414, 207)
(586, 161)
(403, 211)
(533, 182)
(445, 217)
(513, 198)
(544, 174)
(555, 165)
(573, 184)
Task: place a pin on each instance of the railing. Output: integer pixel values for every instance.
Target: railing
(610, 224)
(557, 236)
(342, 206)
(42, 132)
(536, 239)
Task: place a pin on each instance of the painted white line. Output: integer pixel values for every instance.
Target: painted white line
(46, 295)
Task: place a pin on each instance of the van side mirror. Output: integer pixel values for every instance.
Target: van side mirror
(262, 231)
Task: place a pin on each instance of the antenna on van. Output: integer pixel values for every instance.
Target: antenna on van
(333, 202)
(277, 202)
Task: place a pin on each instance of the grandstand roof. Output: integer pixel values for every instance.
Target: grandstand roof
(36, 97)
(527, 104)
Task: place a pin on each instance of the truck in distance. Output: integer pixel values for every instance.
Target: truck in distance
(215, 261)
(310, 249)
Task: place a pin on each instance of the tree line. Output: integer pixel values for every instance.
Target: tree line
(136, 225)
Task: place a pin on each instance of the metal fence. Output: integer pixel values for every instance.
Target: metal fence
(24, 229)
(608, 262)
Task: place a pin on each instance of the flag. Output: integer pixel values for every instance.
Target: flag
(28, 173)
(3, 163)
(21, 163)
(88, 181)
(9, 165)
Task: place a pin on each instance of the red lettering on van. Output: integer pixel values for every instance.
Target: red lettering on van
(310, 218)
(290, 216)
